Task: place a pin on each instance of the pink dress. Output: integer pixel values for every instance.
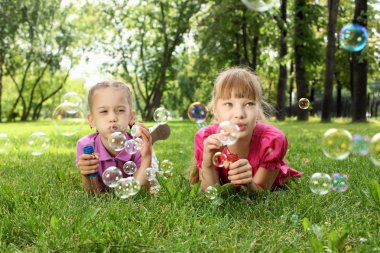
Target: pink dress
(267, 150)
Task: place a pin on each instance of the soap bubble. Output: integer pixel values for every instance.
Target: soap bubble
(161, 115)
(67, 120)
(150, 173)
(38, 143)
(304, 103)
(72, 98)
(133, 145)
(360, 144)
(129, 168)
(166, 166)
(339, 182)
(154, 186)
(211, 192)
(320, 183)
(122, 189)
(117, 141)
(133, 186)
(218, 159)
(5, 142)
(197, 112)
(111, 176)
(294, 218)
(353, 37)
(135, 131)
(228, 133)
(260, 5)
(337, 143)
(374, 149)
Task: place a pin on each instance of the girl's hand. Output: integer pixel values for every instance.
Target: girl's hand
(146, 150)
(240, 172)
(88, 164)
(211, 145)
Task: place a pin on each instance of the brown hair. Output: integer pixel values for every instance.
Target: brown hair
(109, 84)
(240, 82)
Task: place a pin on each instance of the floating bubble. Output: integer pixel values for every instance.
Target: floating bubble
(360, 144)
(135, 131)
(166, 166)
(260, 5)
(117, 141)
(154, 186)
(339, 182)
(228, 133)
(131, 146)
(337, 143)
(5, 142)
(374, 149)
(129, 168)
(161, 115)
(294, 218)
(72, 98)
(304, 103)
(68, 121)
(218, 159)
(353, 37)
(122, 189)
(111, 176)
(211, 192)
(133, 186)
(150, 173)
(197, 112)
(320, 183)
(38, 143)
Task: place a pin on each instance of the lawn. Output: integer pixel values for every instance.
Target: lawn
(44, 209)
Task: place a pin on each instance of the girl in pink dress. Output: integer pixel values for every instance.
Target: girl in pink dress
(258, 155)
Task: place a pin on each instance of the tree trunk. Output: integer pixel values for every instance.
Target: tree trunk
(291, 87)
(281, 89)
(329, 71)
(302, 115)
(360, 69)
(338, 98)
(255, 53)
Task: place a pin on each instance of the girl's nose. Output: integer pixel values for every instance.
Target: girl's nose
(113, 117)
(239, 112)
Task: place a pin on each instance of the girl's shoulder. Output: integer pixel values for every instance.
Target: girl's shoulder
(206, 131)
(88, 139)
(268, 132)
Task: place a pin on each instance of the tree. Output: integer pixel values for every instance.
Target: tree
(329, 72)
(283, 73)
(359, 69)
(145, 40)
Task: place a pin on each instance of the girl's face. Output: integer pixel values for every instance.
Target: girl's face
(241, 111)
(110, 108)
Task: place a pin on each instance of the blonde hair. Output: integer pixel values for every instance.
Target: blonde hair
(240, 82)
(109, 84)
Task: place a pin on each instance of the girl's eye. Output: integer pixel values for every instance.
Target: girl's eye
(103, 112)
(121, 110)
(249, 104)
(228, 104)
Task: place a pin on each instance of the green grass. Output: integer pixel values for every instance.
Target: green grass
(43, 207)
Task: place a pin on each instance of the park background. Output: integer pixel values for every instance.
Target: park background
(169, 53)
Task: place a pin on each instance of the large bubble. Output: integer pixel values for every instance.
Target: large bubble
(320, 183)
(353, 37)
(197, 112)
(38, 143)
(73, 99)
(68, 120)
(374, 149)
(161, 115)
(228, 133)
(117, 141)
(132, 146)
(260, 5)
(111, 176)
(337, 143)
(5, 142)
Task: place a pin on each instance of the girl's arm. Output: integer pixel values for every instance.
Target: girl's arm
(208, 174)
(146, 155)
(263, 179)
